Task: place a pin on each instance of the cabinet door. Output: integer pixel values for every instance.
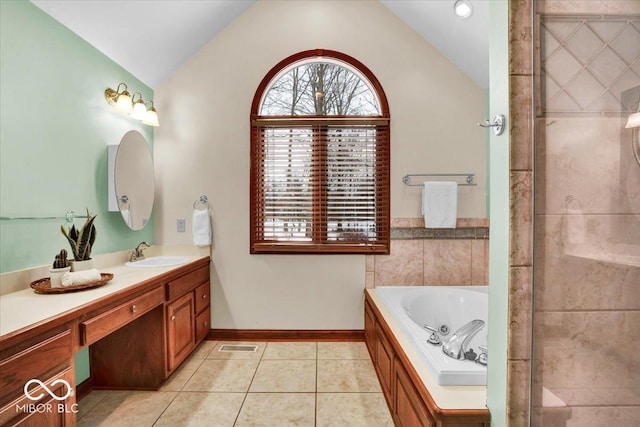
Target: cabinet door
(202, 297)
(46, 411)
(384, 363)
(180, 329)
(370, 331)
(203, 325)
(409, 411)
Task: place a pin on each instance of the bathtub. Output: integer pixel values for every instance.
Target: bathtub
(450, 306)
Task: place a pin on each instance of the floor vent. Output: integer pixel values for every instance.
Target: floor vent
(240, 348)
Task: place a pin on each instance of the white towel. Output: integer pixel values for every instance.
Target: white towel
(576, 227)
(440, 204)
(201, 228)
(80, 277)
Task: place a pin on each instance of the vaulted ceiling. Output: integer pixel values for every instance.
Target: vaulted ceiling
(152, 38)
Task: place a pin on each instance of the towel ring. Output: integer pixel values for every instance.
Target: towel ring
(203, 200)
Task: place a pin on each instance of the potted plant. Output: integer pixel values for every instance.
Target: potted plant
(60, 267)
(81, 242)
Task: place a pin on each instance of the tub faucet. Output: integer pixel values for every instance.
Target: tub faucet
(138, 253)
(456, 347)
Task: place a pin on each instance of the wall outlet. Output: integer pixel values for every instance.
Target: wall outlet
(180, 223)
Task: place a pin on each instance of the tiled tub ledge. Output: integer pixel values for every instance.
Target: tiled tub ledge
(421, 233)
(413, 229)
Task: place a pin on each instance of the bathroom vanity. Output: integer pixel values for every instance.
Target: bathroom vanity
(139, 328)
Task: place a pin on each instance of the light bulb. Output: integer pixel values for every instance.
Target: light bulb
(123, 103)
(463, 8)
(139, 110)
(151, 118)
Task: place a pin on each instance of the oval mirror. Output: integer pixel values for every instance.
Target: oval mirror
(134, 180)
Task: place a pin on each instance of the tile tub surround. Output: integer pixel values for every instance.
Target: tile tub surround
(426, 256)
(282, 383)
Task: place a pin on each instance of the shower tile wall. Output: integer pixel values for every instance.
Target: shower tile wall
(432, 257)
(587, 215)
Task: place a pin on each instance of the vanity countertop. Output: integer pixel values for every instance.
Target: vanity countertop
(24, 308)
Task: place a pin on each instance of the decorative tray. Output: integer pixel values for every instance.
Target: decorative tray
(43, 286)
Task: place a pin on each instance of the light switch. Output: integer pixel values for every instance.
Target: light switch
(180, 225)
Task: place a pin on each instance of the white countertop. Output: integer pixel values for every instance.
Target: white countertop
(446, 397)
(23, 308)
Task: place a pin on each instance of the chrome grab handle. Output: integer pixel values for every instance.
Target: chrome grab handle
(434, 339)
(134, 309)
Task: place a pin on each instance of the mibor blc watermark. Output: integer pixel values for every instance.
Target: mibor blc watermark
(48, 407)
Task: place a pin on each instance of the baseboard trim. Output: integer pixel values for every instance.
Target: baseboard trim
(84, 388)
(286, 335)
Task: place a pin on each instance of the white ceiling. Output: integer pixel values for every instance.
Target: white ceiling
(152, 38)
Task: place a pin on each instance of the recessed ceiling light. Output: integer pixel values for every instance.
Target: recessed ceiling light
(463, 8)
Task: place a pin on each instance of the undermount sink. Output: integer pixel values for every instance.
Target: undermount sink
(158, 261)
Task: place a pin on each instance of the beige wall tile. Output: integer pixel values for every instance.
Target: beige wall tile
(521, 219)
(479, 262)
(520, 304)
(521, 117)
(447, 262)
(370, 280)
(370, 262)
(403, 267)
(591, 6)
(518, 378)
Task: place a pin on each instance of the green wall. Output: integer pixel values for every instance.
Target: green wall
(54, 130)
(499, 218)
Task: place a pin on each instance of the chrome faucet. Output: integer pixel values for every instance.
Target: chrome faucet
(138, 253)
(456, 347)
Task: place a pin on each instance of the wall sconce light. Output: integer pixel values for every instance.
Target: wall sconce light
(463, 8)
(151, 117)
(123, 102)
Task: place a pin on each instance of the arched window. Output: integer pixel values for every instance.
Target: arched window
(320, 158)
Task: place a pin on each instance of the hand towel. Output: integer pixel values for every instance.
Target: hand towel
(201, 228)
(80, 277)
(440, 204)
(576, 227)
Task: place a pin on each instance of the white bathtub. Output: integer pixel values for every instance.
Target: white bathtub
(454, 306)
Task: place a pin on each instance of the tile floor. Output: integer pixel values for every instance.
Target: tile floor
(281, 384)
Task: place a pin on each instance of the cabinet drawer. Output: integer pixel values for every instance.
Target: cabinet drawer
(203, 325)
(103, 324)
(184, 284)
(202, 297)
(39, 361)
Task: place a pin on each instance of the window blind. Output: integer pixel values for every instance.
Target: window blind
(320, 185)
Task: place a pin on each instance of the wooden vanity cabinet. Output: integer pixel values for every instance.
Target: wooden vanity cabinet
(181, 332)
(188, 315)
(48, 359)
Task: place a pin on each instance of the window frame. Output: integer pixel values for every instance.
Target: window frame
(319, 243)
